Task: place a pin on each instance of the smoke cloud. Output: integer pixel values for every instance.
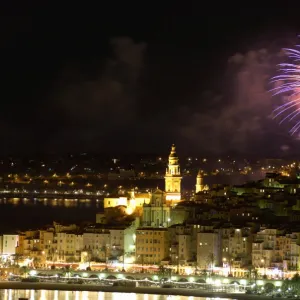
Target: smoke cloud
(240, 119)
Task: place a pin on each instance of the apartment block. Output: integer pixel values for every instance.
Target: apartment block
(152, 245)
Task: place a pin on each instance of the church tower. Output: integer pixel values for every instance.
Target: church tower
(173, 178)
(199, 183)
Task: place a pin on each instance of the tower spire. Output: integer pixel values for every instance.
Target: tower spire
(173, 177)
(199, 182)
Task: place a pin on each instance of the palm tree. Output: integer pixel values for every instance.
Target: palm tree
(104, 249)
(163, 271)
(253, 273)
(211, 261)
(17, 256)
(195, 264)
(24, 270)
(36, 261)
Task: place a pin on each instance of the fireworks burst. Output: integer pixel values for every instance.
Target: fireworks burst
(288, 83)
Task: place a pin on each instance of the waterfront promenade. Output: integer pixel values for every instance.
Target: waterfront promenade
(138, 290)
(102, 275)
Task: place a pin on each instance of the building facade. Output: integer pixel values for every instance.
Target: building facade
(152, 245)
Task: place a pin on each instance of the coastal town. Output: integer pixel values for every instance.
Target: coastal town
(238, 233)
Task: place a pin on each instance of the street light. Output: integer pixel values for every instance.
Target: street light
(231, 260)
(123, 270)
(224, 263)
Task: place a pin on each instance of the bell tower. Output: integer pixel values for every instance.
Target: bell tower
(173, 177)
(199, 183)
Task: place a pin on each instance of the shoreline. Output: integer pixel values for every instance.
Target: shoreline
(138, 290)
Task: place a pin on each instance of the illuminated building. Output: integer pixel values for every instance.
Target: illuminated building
(122, 242)
(263, 247)
(97, 244)
(46, 244)
(199, 183)
(31, 243)
(173, 178)
(69, 246)
(152, 245)
(237, 246)
(105, 242)
(183, 244)
(9, 243)
(133, 203)
(208, 248)
(274, 250)
(158, 212)
(113, 202)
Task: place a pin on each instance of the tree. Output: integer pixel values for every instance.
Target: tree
(293, 285)
(269, 287)
(211, 262)
(164, 272)
(24, 270)
(17, 257)
(195, 265)
(252, 273)
(104, 249)
(36, 261)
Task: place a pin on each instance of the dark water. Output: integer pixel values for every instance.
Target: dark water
(18, 213)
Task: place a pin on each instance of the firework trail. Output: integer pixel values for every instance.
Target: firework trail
(288, 83)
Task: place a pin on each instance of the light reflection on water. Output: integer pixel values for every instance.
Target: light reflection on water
(76, 295)
(52, 202)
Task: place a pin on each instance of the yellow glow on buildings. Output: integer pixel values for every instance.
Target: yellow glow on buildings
(113, 202)
(152, 245)
(133, 203)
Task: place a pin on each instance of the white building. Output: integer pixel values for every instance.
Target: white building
(122, 242)
(208, 249)
(9, 243)
(69, 246)
(97, 244)
(183, 245)
(263, 247)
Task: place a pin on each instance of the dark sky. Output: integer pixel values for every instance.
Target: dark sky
(130, 78)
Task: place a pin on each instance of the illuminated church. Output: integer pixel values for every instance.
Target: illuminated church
(155, 208)
(158, 212)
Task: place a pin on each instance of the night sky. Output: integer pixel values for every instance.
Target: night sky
(136, 78)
